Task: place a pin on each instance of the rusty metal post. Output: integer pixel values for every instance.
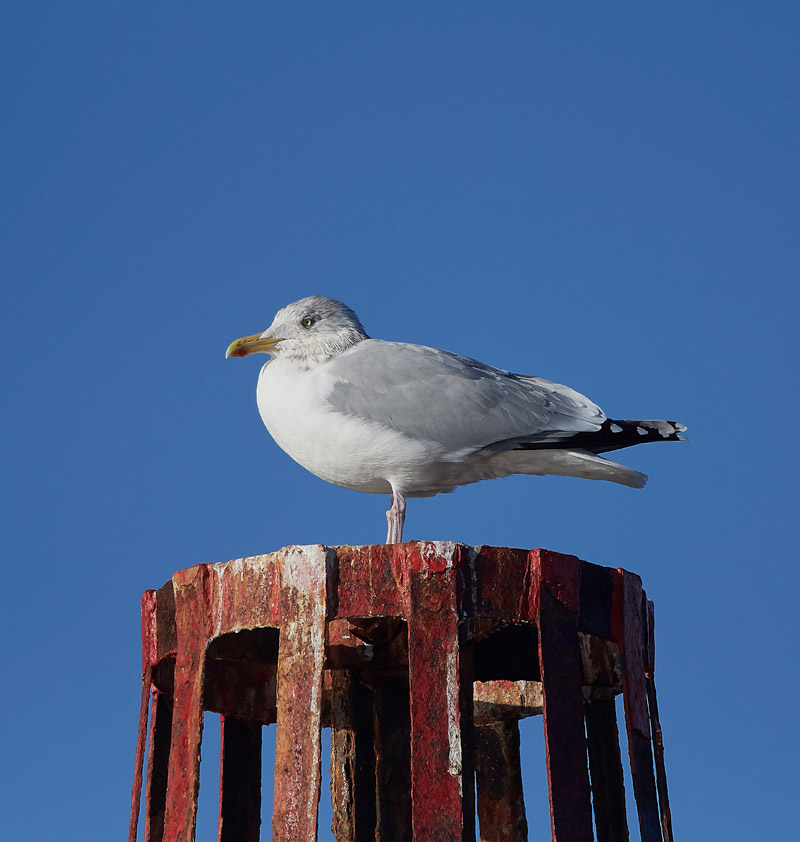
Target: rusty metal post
(192, 623)
(498, 773)
(352, 765)
(422, 658)
(655, 723)
(301, 660)
(148, 611)
(157, 766)
(637, 718)
(439, 799)
(562, 682)
(605, 768)
(601, 615)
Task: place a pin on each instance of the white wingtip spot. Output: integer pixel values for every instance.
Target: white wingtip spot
(615, 428)
(641, 431)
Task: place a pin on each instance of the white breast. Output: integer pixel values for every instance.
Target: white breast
(340, 449)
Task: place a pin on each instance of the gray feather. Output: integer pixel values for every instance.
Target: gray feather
(457, 402)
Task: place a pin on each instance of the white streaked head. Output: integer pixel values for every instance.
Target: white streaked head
(310, 330)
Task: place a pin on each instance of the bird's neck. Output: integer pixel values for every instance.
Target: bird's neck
(320, 350)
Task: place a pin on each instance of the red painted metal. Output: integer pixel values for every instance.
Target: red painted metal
(434, 665)
(192, 623)
(384, 644)
(301, 661)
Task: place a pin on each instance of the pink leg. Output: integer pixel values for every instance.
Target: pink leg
(395, 517)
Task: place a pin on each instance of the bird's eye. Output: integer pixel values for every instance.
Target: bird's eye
(307, 321)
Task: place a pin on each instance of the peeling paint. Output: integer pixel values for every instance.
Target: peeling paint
(453, 714)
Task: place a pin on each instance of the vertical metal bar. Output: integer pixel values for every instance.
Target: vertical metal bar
(498, 773)
(183, 783)
(392, 726)
(136, 793)
(437, 756)
(637, 719)
(605, 767)
(352, 759)
(157, 766)
(148, 629)
(239, 780)
(343, 756)
(655, 722)
(301, 660)
(562, 678)
(466, 701)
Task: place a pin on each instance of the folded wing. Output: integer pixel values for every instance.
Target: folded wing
(421, 391)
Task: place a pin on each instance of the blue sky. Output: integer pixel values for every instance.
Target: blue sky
(603, 196)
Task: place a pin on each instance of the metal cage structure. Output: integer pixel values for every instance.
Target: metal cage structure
(421, 658)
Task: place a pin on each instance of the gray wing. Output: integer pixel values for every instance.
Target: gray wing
(455, 401)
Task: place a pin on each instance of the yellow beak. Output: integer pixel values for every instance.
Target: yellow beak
(250, 345)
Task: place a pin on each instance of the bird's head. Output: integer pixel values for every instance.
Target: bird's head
(311, 330)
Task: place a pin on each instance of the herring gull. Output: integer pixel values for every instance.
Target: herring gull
(412, 421)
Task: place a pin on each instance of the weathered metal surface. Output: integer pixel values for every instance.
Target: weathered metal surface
(239, 780)
(183, 778)
(148, 659)
(301, 661)
(246, 593)
(560, 575)
(344, 758)
(353, 760)
(506, 700)
(560, 660)
(541, 631)
(498, 775)
(605, 768)
(437, 758)
(602, 663)
(503, 587)
(369, 581)
(655, 723)
(637, 719)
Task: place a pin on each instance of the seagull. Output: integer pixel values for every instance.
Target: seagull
(412, 421)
